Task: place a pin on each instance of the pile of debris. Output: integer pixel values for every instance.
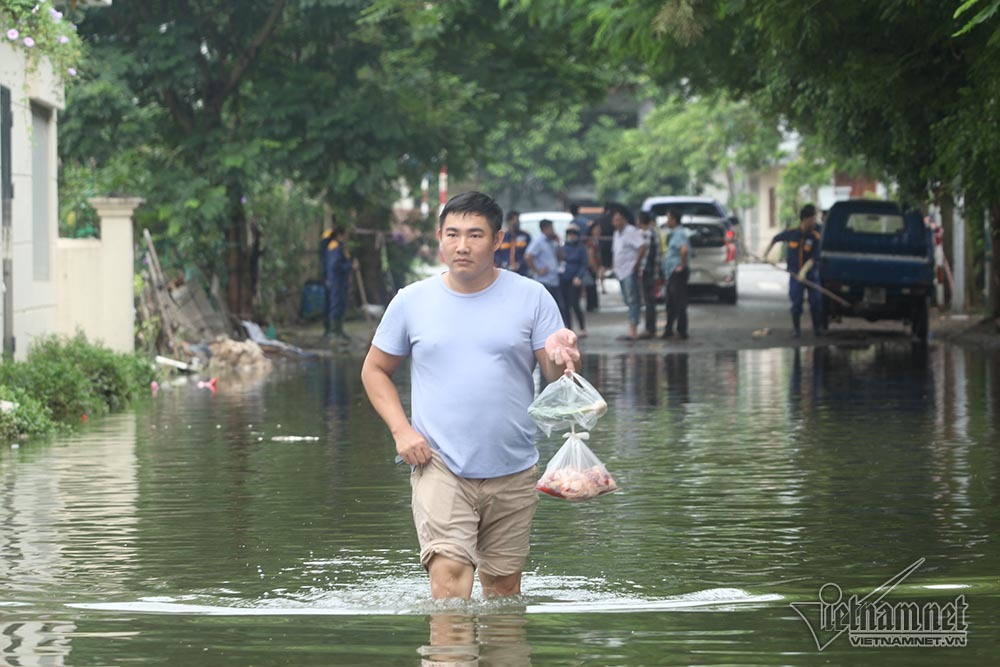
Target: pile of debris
(194, 331)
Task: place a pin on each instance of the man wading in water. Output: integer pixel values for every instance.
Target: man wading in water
(474, 335)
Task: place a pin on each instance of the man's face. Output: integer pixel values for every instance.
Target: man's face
(548, 231)
(514, 223)
(618, 221)
(672, 220)
(809, 223)
(467, 245)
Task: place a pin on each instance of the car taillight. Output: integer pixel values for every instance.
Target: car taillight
(730, 252)
(730, 235)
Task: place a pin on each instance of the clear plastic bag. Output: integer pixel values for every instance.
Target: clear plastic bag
(575, 472)
(569, 401)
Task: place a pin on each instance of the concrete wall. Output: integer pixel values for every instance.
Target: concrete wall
(95, 279)
(36, 97)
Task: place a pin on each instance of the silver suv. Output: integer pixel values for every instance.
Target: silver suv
(713, 242)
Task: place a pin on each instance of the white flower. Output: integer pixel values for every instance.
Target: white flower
(12, 34)
(28, 42)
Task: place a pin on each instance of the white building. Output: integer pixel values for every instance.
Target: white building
(51, 285)
(30, 97)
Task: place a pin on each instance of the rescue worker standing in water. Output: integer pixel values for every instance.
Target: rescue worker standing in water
(802, 261)
(337, 267)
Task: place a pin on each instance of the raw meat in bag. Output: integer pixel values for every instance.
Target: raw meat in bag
(575, 472)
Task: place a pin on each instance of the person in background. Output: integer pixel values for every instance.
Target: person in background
(628, 249)
(474, 335)
(802, 260)
(649, 272)
(677, 271)
(605, 242)
(571, 280)
(337, 267)
(594, 267)
(590, 281)
(510, 254)
(542, 257)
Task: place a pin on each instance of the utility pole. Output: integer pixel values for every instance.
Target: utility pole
(6, 222)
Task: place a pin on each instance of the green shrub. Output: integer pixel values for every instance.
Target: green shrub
(72, 378)
(57, 384)
(29, 416)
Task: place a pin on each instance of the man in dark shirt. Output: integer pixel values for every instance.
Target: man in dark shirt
(510, 254)
(803, 262)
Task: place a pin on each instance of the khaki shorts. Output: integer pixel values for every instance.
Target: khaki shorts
(485, 522)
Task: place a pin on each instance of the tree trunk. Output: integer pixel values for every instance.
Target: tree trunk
(370, 254)
(238, 257)
(947, 205)
(993, 274)
(973, 295)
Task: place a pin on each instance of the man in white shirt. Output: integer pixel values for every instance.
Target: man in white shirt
(628, 247)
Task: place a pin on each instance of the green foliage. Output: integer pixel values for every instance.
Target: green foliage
(290, 224)
(73, 378)
(77, 218)
(987, 10)
(683, 143)
(552, 152)
(199, 109)
(27, 416)
(40, 30)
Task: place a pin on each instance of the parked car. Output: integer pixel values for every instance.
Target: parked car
(712, 242)
(560, 221)
(880, 261)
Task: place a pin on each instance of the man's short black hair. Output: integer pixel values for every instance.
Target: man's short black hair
(574, 210)
(545, 223)
(615, 207)
(807, 211)
(645, 217)
(475, 203)
(511, 214)
(675, 212)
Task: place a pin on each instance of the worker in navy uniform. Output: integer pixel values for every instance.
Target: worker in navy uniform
(510, 254)
(337, 267)
(802, 260)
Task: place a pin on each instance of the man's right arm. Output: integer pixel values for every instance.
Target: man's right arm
(778, 238)
(376, 375)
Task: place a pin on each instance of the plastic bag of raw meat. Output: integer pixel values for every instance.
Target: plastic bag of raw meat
(568, 402)
(575, 472)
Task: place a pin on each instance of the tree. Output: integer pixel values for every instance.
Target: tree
(339, 96)
(684, 143)
(902, 83)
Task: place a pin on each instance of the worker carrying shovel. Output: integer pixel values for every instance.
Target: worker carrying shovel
(802, 262)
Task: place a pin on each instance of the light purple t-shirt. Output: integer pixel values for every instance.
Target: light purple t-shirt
(472, 358)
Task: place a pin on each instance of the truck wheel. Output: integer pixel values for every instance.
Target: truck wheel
(921, 320)
(728, 294)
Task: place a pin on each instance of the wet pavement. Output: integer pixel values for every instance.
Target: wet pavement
(759, 320)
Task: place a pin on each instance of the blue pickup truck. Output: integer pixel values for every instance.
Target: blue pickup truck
(879, 259)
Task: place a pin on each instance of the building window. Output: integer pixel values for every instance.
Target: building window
(41, 184)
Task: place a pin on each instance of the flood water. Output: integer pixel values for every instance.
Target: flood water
(185, 534)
